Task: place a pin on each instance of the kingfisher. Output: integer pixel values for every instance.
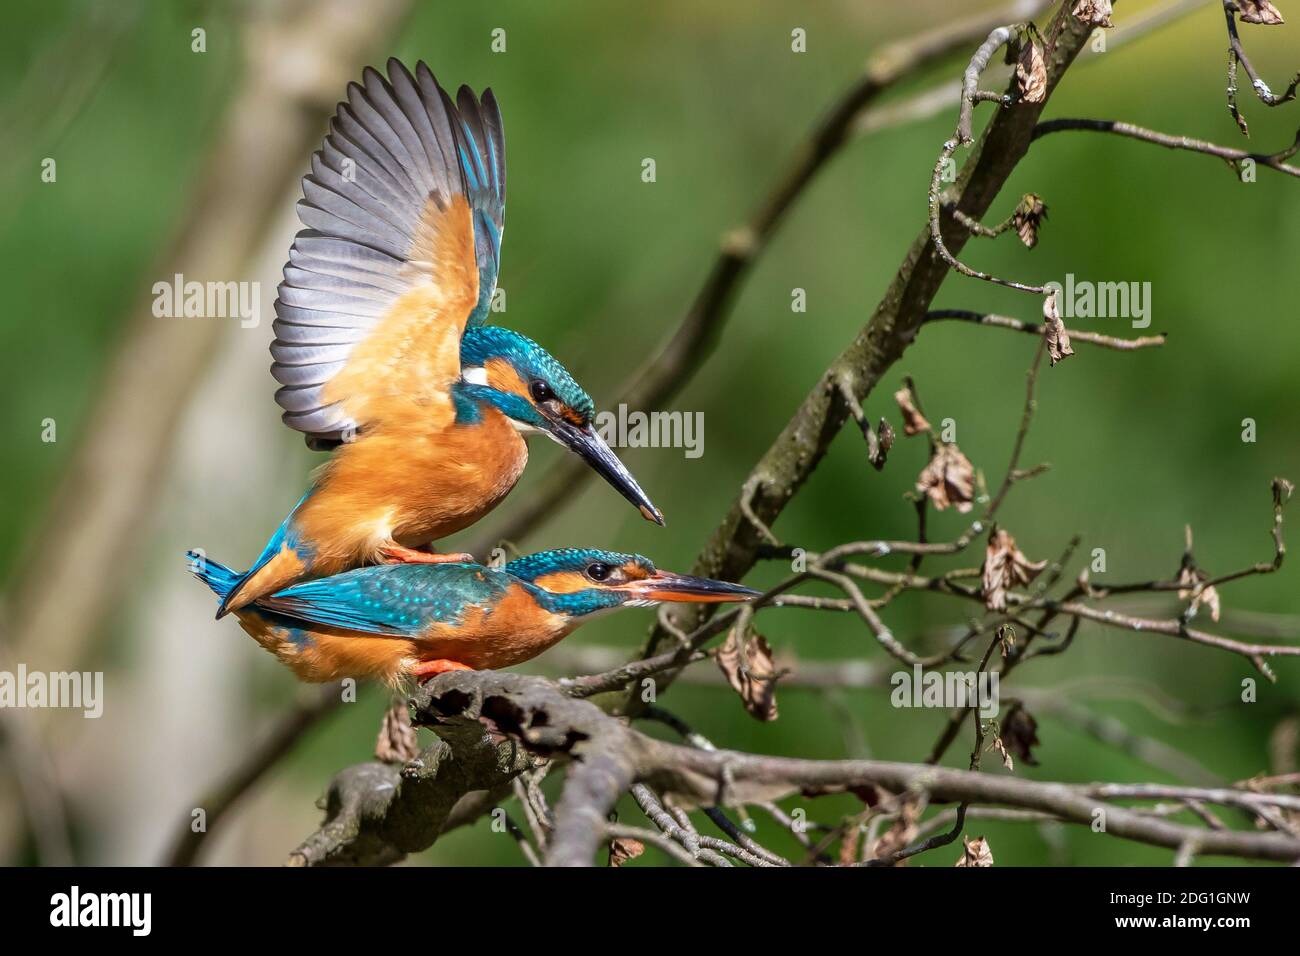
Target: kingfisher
(381, 346)
(393, 622)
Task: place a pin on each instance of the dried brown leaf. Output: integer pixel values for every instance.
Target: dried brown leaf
(884, 442)
(849, 846)
(1001, 747)
(913, 421)
(1259, 11)
(623, 849)
(1007, 639)
(746, 661)
(976, 853)
(903, 832)
(1194, 587)
(1031, 72)
(1282, 490)
(1020, 732)
(1209, 596)
(1005, 567)
(1094, 12)
(1058, 340)
(1028, 218)
(397, 742)
(949, 479)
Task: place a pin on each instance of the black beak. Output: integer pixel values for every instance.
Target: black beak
(587, 443)
(686, 588)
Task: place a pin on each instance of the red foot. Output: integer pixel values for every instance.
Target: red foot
(396, 554)
(425, 670)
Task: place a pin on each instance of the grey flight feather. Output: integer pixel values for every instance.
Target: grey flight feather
(394, 144)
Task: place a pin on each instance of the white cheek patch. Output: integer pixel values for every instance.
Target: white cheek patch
(526, 429)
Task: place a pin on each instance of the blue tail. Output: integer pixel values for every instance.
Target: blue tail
(215, 575)
(283, 535)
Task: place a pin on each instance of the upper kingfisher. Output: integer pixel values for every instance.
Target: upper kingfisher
(381, 347)
(397, 621)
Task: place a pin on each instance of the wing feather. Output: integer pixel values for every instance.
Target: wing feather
(483, 158)
(397, 600)
(404, 208)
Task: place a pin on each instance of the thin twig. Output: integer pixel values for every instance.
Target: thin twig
(1236, 55)
(1234, 157)
(1036, 328)
(740, 248)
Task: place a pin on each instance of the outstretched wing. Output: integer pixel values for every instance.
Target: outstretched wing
(398, 600)
(404, 206)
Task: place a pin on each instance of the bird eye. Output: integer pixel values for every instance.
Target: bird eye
(598, 571)
(540, 391)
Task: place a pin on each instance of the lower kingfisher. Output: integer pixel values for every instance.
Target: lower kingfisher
(381, 346)
(396, 621)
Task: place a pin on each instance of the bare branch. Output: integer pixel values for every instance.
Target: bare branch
(611, 757)
(1275, 161)
(1236, 55)
(693, 341)
(792, 457)
(1036, 328)
(376, 813)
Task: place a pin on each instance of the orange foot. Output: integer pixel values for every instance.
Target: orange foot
(394, 553)
(425, 670)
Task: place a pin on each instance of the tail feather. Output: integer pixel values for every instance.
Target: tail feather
(232, 599)
(215, 575)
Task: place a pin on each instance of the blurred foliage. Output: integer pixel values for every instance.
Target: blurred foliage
(600, 266)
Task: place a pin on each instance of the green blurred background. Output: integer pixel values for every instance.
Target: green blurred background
(600, 266)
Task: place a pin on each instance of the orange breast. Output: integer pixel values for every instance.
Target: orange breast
(410, 483)
(513, 631)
